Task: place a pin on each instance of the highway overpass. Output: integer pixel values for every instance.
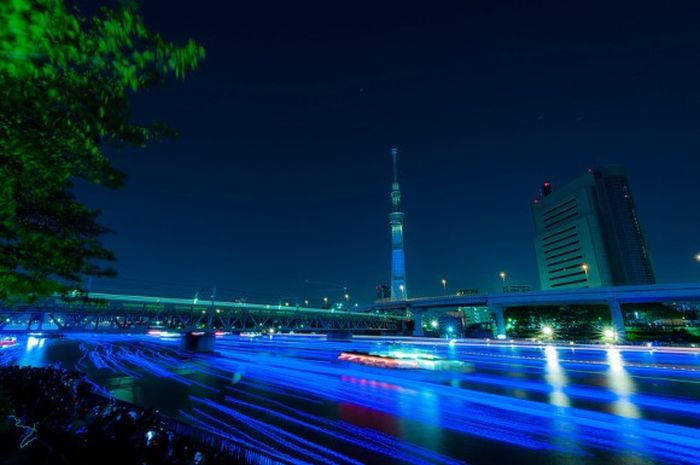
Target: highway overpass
(497, 303)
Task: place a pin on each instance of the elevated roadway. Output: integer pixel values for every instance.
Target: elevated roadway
(497, 303)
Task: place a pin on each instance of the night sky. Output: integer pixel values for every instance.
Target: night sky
(279, 185)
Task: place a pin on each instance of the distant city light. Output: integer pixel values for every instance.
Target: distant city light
(547, 331)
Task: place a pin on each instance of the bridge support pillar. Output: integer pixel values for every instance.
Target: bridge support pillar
(417, 322)
(497, 315)
(339, 336)
(617, 319)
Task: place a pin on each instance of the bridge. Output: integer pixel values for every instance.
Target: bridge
(498, 303)
(114, 312)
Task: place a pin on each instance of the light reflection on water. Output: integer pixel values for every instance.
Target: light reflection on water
(556, 377)
(621, 384)
(34, 351)
(548, 405)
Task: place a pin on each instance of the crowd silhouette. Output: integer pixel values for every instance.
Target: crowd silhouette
(52, 416)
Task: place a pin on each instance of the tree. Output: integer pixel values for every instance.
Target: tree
(65, 89)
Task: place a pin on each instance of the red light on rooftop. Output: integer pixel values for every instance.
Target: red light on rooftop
(546, 188)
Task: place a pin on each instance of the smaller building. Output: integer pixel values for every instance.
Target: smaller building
(467, 291)
(475, 315)
(383, 292)
(516, 288)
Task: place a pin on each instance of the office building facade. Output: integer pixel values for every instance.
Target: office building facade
(588, 234)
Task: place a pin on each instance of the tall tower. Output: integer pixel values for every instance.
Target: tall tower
(398, 264)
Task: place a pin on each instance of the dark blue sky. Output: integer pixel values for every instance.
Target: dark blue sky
(280, 181)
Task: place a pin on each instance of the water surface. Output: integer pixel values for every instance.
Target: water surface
(291, 398)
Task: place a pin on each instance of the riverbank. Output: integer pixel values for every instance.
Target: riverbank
(51, 416)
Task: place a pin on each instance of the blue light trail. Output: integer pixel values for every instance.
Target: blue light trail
(291, 399)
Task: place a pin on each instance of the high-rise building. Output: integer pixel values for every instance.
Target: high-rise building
(588, 234)
(398, 264)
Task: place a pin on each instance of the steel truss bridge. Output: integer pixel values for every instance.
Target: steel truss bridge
(111, 312)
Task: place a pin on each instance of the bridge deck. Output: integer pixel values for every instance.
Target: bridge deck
(139, 313)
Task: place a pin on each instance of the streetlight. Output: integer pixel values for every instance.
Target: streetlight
(347, 297)
(325, 301)
(434, 323)
(697, 257)
(502, 274)
(444, 285)
(584, 267)
(609, 334)
(401, 288)
(547, 331)
(306, 302)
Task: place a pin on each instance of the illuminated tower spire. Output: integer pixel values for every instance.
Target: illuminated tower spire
(398, 265)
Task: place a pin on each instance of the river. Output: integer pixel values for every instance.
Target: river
(291, 397)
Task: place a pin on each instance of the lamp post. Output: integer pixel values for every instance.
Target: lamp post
(502, 274)
(325, 301)
(444, 285)
(584, 267)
